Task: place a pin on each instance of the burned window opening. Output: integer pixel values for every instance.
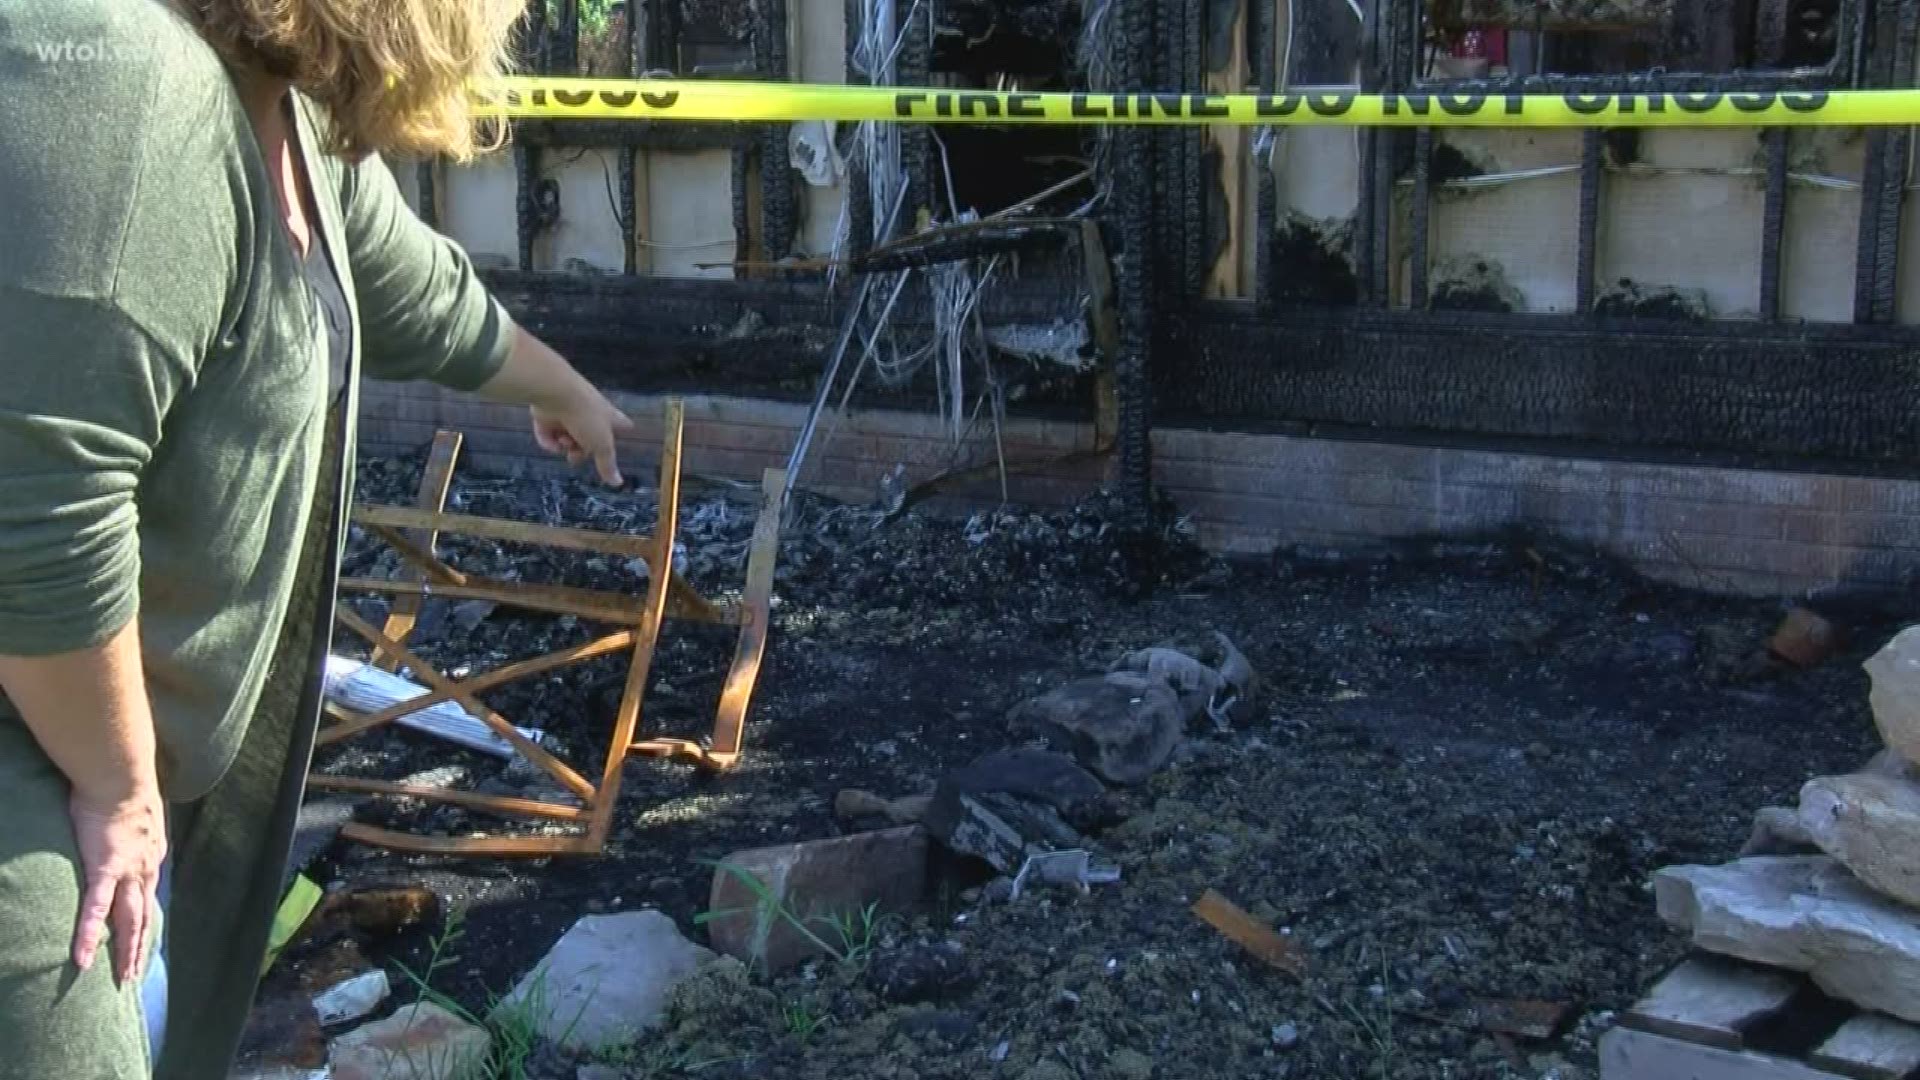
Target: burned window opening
(997, 45)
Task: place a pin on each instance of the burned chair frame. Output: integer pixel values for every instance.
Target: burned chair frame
(633, 628)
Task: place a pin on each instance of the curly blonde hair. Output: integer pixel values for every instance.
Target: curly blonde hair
(391, 74)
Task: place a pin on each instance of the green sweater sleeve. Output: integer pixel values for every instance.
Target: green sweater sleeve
(109, 293)
(424, 312)
(86, 391)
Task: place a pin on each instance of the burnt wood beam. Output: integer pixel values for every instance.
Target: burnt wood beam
(634, 61)
(779, 201)
(1587, 250)
(1773, 223)
(1819, 393)
(916, 140)
(1889, 63)
(1265, 191)
(1134, 268)
(1422, 209)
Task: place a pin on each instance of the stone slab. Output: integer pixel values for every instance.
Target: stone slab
(1802, 913)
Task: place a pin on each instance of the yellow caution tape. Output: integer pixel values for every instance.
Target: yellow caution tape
(646, 99)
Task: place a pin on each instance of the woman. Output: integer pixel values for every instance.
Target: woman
(200, 252)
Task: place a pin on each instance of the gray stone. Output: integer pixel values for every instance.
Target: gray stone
(1012, 804)
(1123, 725)
(1194, 682)
(608, 979)
(1894, 673)
(1777, 831)
(1806, 914)
(1871, 824)
(1888, 763)
(419, 1042)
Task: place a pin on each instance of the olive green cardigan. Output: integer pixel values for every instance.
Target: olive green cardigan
(166, 437)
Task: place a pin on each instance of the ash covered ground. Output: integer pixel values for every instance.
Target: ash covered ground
(1464, 763)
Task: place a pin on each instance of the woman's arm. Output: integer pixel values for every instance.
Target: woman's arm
(428, 316)
(570, 417)
(88, 710)
(88, 388)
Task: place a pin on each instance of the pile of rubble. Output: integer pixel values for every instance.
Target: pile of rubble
(1024, 812)
(1830, 888)
(1021, 817)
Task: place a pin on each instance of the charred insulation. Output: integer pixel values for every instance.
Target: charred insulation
(1478, 285)
(1628, 299)
(1313, 265)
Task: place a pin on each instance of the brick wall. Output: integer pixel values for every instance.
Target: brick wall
(1726, 530)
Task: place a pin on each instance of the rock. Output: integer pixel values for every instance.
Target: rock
(1011, 804)
(282, 1034)
(608, 979)
(1130, 1065)
(954, 1029)
(351, 999)
(1804, 639)
(419, 1042)
(1123, 725)
(1286, 1036)
(469, 614)
(921, 972)
(999, 829)
(1803, 913)
(1728, 655)
(1777, 831)
(1889, 763)
(854, 804)
(1895, 693)
(1194, 682)
(599, 1072)
(1041, 776)
(1238, 682)
(817, 884)
(1871, 825)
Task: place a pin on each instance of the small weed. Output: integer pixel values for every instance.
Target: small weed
(1375, 1024)
(802, 1022)
(515, 1026)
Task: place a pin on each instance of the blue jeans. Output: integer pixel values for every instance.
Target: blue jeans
(153, 987)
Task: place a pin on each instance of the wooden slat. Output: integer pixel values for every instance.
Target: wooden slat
(755, 613)
(351, 723)
(531, 847)
(424, 672)
(553, 599)
(517, 532)
(1871, 1047)
(432, 496)
(1249, 933)
(468, 800)
(1709, 1001)
(1627, 1054)
(627, 719)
